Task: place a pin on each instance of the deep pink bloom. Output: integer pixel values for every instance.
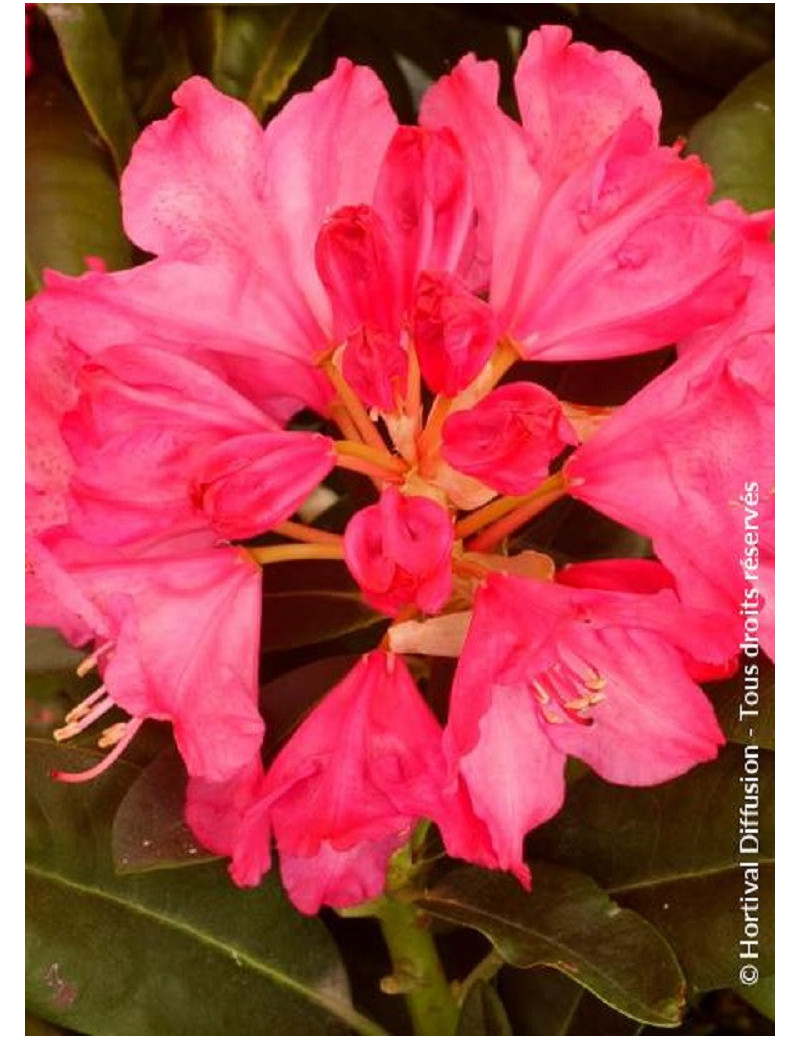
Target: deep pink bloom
(162, 446)
(454, 333)
(345, 791)
(599, 242)
(399, 552)
(509, 438)
(232, 212)
(549, 671)
(176, 638)
(689, 462)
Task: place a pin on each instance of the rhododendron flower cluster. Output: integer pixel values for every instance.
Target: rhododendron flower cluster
(391, 278)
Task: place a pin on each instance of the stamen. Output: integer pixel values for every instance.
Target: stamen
(81, 709)
(131, 729)
(72, 729)
(112, 735)
(294, 551)
(88, 663)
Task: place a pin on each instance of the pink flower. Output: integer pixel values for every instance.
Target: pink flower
(597, 242)
(689, 462)
(454, 333)
(549, 671)
(399, 552)
(160, 445)
(509, 438)
(176, 638)
(345, 791)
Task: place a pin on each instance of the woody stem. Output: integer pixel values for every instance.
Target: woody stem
(417, 970)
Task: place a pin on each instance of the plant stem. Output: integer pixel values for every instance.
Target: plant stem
(418, 972)
(304, 533)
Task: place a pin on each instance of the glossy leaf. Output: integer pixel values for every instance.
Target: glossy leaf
(671, 853)
(71, 197)
(737, 140)
(306, 603)
(716, 44)
(259, 47)
(761, 996)
(149, 830)
(567, 922)
(286, 701)
(542, 1002)
(482, 1013)
(47, 651)
(170, 953)
(93, 62)
(730, 705)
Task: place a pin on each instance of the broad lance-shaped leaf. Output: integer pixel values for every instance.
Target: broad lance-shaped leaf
(751, 720)
(482, 1013)
(170, 953)
(543, 1002)
(93, 62)
(307, 603)
(149, 830)
(71, 197)
(672, 854)
(259, 47)
(567, 922)
(737, 140)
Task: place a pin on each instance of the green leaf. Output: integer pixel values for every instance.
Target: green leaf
(170, 953)
(482, 1013)
(46, 650)
(71, 198)
(149, 830)
(730, 704)
(672, 854)
(259, 47)
(93, 62)
(567, 922)
(716, 44)
(308, 602)
(285, 701)
(38, 1027)
(542, 1002)
(761, 996)
(737, 140)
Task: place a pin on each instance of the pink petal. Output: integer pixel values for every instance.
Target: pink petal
(572, 98)
(509, 438)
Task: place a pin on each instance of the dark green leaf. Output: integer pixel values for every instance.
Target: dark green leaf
(567, 922)
(47, 651)
(172, 953)
(672, 854)
(71, 198)
(307, 603)
(761, 996)
(93, 62)
(482, 1013)
(737, 140)
(149, 830)
(542, 1002)
(286, 701)
(716, 44)
(259, 47)
(730, 704)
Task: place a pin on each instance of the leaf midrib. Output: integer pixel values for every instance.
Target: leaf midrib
(350, 1016)
(668, 879)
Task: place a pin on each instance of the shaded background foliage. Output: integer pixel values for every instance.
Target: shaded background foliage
(632, 925)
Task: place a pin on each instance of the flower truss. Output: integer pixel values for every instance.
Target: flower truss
(390, 278)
